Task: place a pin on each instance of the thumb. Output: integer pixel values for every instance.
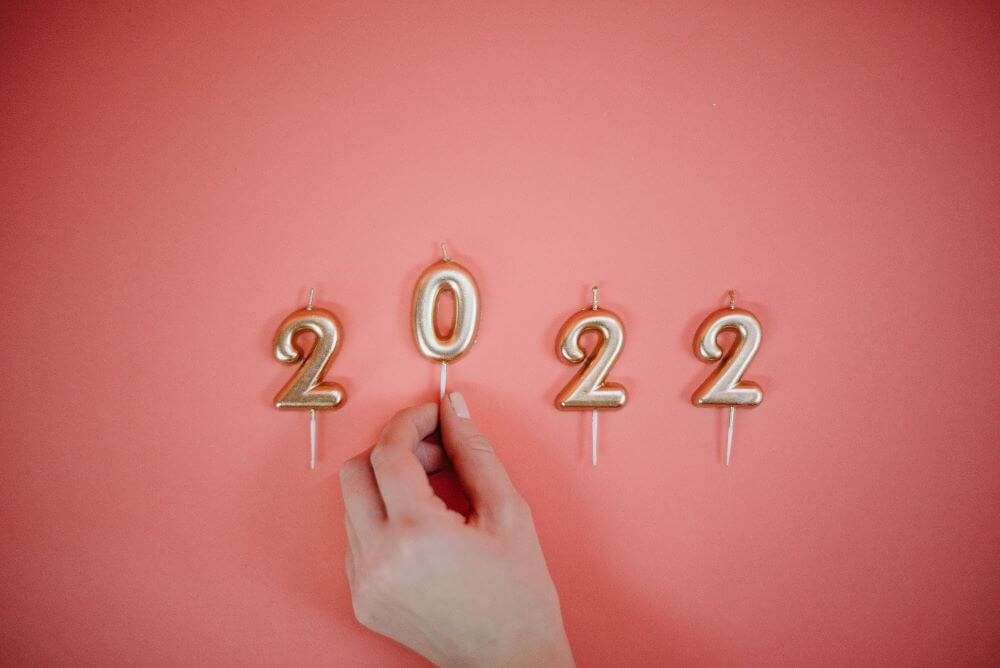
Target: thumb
(480, 471)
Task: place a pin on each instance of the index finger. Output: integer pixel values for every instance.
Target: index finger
(402, 483)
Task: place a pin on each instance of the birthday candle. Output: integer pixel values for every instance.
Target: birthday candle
(725, 386)
(589, 389)
(306, 390)
(433, 344)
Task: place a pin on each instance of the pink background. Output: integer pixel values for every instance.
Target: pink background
(175, 179)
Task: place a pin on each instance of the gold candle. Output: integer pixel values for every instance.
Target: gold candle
(306, 390)
(590, 389)
(725, 386)
(445, 347)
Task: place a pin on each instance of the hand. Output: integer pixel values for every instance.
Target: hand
(459, 592)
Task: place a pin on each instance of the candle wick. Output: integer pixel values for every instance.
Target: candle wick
(594, 306)
(732, 299)
(309, 304)
(444, 253)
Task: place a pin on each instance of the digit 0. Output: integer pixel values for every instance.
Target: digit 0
(453, 277)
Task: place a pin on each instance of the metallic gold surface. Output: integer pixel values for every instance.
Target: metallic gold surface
(588, 388)
(305, 389)
(725, 386)
(451, 276)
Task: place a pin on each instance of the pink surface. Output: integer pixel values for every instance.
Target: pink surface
(174, 180)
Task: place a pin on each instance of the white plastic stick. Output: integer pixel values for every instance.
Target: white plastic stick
(312, 411)
(593, 435)
(312, 439)
(444, 379)
(729, 435)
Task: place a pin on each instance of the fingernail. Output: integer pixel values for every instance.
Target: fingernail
(458, 404)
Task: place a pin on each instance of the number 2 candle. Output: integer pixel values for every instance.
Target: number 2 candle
(305, 390)
(726, 387)
(589, 389)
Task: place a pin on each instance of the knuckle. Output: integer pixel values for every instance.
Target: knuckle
(370, 580)
(348, 467)
(513, 511)
(438, 503)
(364, 610)
(520, 507)
(380, 574)
(400, 415)
(353, 465)
(377, 456)
(479, 443)
(407, 539)
(517, 509)
(398, 420)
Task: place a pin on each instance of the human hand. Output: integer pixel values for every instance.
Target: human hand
(459, 592)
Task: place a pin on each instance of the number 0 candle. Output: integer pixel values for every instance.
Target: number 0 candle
(434, 344)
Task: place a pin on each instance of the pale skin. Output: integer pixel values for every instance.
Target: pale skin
(460, 592)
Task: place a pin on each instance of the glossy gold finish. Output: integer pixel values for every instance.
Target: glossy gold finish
(726, 387)
(588, 388)
(305, 390)
(433, 344)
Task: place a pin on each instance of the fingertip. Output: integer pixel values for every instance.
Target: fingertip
(458, 405)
